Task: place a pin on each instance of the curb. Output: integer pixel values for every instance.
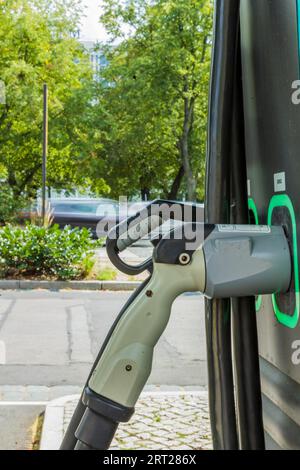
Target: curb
(70, 285)
(53, 426)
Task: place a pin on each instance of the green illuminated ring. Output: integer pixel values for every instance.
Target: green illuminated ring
(253, 208)
(283, 200)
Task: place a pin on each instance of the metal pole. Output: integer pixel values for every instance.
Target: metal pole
(45, 152)
(244, 326)
(217, 210)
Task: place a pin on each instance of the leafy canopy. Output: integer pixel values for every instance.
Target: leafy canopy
(154, 93)
(37, 46)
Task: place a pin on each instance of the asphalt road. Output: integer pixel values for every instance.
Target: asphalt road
(51, 339)
(48, 341)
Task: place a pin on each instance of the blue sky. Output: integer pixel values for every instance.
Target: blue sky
(91, 29)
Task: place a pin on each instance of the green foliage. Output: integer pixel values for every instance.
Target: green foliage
(38, 251)
(10, 206)
(87, 266)
(154, 131)
(140, 128)
(36, 47)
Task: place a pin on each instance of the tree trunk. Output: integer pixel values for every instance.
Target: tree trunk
(12, 183)
(183, 144)
(18, 187)
(189, 177)
(184, 147)
(173, 194)
(145, 193)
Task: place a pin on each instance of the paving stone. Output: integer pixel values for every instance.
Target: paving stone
(175, 421)
(63, 390)
(33, 393)
(12, 393)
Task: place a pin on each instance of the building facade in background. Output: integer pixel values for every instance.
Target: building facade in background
(98, 61)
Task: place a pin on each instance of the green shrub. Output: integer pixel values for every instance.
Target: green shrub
(10, 205)
(50, 252)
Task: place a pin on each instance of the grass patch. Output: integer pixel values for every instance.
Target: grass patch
(106, 274)
(37, 432)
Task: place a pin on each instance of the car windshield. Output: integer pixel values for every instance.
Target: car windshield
(93, 207)
(75, 208)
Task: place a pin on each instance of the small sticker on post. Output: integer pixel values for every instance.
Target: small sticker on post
(244, 228)
(279, 182)
(249, 187)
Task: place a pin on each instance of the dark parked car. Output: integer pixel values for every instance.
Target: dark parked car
(96, 214)
(99, 215)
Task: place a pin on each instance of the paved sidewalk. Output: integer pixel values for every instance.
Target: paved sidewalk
(48, 342)
(162, 421)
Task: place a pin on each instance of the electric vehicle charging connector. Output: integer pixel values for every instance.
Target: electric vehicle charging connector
(220, 261)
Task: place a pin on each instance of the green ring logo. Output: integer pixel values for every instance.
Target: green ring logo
(252, 207)
(283, 200)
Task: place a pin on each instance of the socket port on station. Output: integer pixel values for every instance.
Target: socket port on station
(286, 306)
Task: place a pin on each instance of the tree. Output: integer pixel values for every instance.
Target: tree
(154, 91)
(37, 46)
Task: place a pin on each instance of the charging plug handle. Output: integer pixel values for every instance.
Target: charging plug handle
(141, 225)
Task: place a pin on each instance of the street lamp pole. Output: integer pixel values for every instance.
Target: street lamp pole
(45, 151)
